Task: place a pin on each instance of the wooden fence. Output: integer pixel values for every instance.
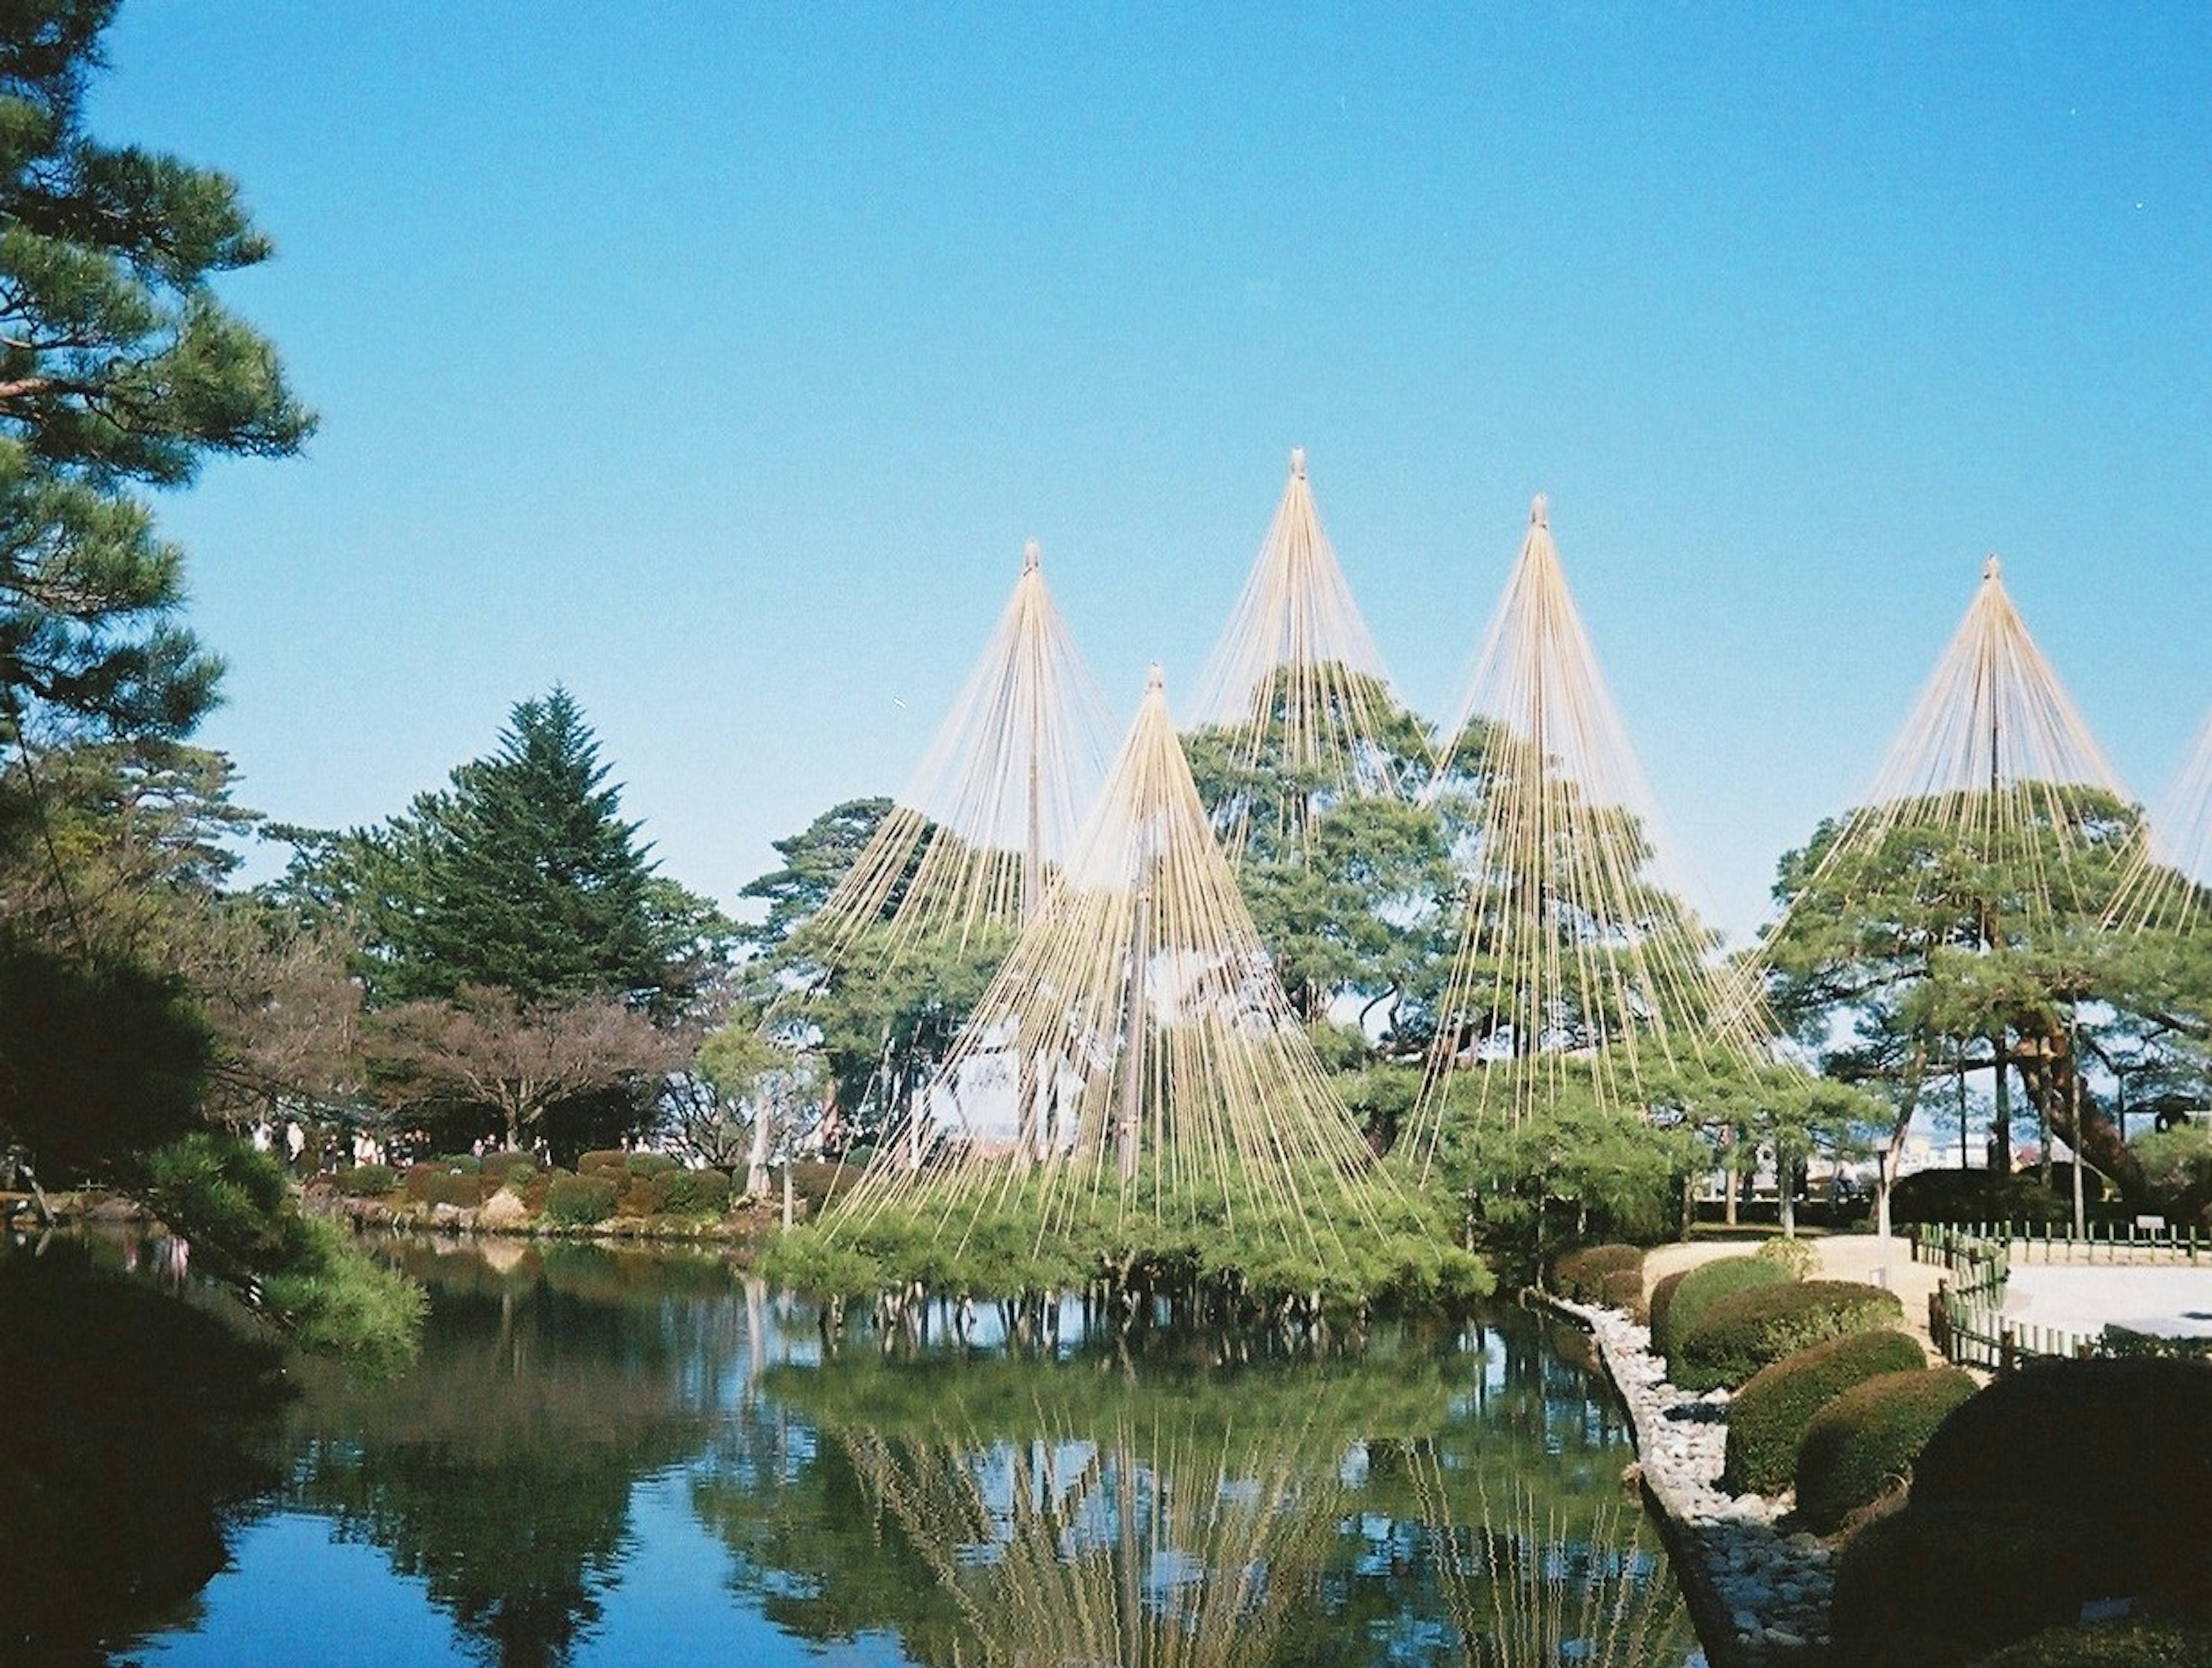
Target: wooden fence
(1966, 1311)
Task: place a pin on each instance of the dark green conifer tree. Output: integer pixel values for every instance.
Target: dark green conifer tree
(521, 874)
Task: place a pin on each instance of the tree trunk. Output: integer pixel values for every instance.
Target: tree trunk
(756, 1156)
(2049, 1076)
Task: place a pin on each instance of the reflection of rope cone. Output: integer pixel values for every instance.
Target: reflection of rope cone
(1578, 962)
(1296, 658)
(1141, 1549)
(1136, 1039)
(1535, 1591)
(995, 806)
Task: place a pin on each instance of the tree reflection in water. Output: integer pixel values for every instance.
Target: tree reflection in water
(500, 1470)
(1181, 1502)
(1179, 1514)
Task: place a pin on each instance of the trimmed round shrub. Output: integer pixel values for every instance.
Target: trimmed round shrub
(1737, 1335)
(1977, 1196)
(1661, 1302)
(1697, 1289)
(1937, 1586)
(647, 1166)
(1601, 1274)
(2124, 1444)
(507, 1166)
(1767, 1418)
(1792, 1253)
(435, 1184)
(367, 1181)
(610, 1159)
(691, 1192)
(579, 1201)
(460, 1164)
(2125, 1645)
(1868, 1439)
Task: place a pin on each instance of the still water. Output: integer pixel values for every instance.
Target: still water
(610, 1457)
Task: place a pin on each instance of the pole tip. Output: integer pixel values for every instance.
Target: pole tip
(1297, 463)
(1540, 511)
(1156, 683)
(1031, 557)
(1991, 567)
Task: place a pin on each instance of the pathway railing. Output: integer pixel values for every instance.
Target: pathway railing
(1965, 1313)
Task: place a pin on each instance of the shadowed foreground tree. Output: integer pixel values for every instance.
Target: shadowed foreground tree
(120, 369)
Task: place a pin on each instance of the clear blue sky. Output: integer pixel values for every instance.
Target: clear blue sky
(715, 361)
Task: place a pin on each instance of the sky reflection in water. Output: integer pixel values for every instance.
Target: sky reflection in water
(613, 1458)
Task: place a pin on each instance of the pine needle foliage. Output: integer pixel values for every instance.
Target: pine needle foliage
(1135, 1056)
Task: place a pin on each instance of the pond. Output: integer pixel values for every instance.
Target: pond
(617, 1456)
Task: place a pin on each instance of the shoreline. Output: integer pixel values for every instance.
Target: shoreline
(1758, 1593)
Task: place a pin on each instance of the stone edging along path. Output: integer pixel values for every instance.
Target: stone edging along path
(1760, 1593)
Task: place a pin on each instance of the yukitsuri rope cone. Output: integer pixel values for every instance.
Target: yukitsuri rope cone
(1579, 970)
(1134, 1057)
(2168, 887)
(1994, 755)
(1295, 681)
(972, 843)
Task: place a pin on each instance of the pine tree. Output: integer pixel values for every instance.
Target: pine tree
(523, 876)
(118, 368)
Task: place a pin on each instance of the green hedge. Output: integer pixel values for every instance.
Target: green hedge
(1796, 1255)
(1609, 1274)
(506, 1166)
(647, 1166)
(2125, 1645)
(612, 1160)
(1697, 1289)
(1975, 1196)
(1869, 1437)
(436, 1183)
(691, 1192)
(1737, 1335)
(367, 1181)
(1660, 1303)
(2124, 1444)
(1937, 1586)
(1766, 1419)
(579, 1201)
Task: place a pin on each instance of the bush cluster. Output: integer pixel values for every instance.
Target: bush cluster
(1866, 1441)
(1794, 1254)
(367, 1181)
(2063, 1482)
(579, 1201)
(438, 1183)
(1611, 1275)
(1938, 1586)
(2128, 1439)
(1767, 1418)
(1975, 1196)
(508, 1169)
(1687, 1295)
(2128, 1645)
(679, 1193)
(1737, 1335)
